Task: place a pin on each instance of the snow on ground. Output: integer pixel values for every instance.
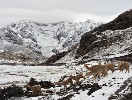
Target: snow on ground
(24, 73)
(106, 90)
(20, 75)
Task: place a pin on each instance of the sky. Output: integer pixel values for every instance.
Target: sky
(50, 11)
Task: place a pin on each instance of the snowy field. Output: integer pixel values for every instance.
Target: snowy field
(20, 75)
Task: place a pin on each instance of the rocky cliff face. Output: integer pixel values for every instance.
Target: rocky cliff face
(107, 34)
(123, 21)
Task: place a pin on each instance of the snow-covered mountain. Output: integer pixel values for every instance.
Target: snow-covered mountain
(110, 40)
(119, 44)
(42, 39)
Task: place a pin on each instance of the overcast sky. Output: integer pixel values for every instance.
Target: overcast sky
(48, 11)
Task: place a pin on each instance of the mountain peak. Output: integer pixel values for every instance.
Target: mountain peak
(126, 16)
(28, 36)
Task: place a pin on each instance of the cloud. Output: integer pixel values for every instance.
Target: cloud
(85, 16)
(8, 15)
(97, 7)
(50, 11)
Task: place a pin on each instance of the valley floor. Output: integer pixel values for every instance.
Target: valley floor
(20, 75)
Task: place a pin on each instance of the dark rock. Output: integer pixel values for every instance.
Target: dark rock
(94, 88)
(2, 94)
(127, 96)
(11, 91)
(114, 78)
(111, 85)
(86, 44)
(103, 94)
(49, 91)
(15, 91)
(113, 97)
(33, 82)
(104, 84)
(76, 89)
(78, 92)
(126, 99)
(130, 85)
(68, 97)
(46, 84)
(85, 86)
(56, 57)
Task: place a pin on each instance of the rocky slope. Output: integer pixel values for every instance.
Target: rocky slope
(37, 40)
(122, 22)
(109, 40)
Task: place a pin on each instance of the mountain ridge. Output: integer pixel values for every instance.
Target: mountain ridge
(39, 40)
(108, 41)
